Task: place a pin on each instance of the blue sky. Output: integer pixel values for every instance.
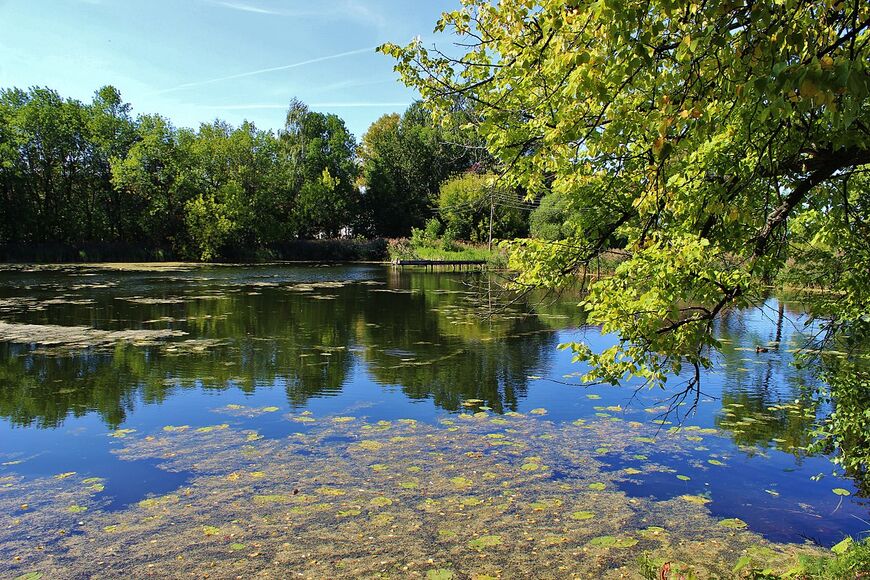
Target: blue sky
(197, 60)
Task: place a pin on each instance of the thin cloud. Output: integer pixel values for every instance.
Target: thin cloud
(249, 8)
(352, 9)
(266, 70)
(281, 106)
(358, 105)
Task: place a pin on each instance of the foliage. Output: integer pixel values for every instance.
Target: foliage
(849, 560)
(85, 174)
(707, 136)
(550, 220)
(845, 433)
(465, 202)
(405, 159)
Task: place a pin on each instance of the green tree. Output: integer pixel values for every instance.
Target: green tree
(468, 202)
(320, 145)
(697, 132)
(148, 180)
(405, 159)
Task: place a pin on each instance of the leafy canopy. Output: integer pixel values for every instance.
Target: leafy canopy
(695, 132)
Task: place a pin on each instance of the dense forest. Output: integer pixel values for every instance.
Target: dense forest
(77, 175)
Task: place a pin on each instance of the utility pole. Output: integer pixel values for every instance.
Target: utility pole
(491, 213)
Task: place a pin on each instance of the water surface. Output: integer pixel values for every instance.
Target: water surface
(100, 367)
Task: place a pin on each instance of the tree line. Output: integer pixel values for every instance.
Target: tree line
(73, 172)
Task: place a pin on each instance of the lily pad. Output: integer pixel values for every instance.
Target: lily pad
(582, 515)
(380, 502)
(612, 542)
(461, 482)
(597, 486)
(484, 542)
(841, 491)
(733, 523)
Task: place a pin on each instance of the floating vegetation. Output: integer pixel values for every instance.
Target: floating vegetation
(358, 498)
(80, 337)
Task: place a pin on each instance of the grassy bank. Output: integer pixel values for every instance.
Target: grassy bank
(411, 249)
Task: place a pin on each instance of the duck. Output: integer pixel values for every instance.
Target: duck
(760, 349)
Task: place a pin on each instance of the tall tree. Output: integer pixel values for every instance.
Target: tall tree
(700, 132)
(405, 159)
(323, 151)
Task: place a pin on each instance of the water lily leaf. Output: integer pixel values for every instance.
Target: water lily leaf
(270, 409)
(349, 513)
(733, 523)
(440, 574)
(539, 411)
(369, 445)
(583, 515)
(237, 547)
(684, 477)
(631, 471)
(211, 428)
(841, 491)
(484, 542)
(380, 502)
(470, 501)
(121, 433)
(327, 490)
(530, 466)
(211, 530)
(597, 486)
(30, 576)
(65, 475)
(698, 499)
(382, 519)
(461, 482)
(343, 419)
(593, 397)
(652, 532)
(644, 439)
(546, 504)
(76, 509)
(612, 542)
(715, 462)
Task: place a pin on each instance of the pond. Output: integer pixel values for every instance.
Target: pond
(338, 421)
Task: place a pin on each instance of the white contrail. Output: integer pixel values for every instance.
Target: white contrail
(335, 105)
(266, 70)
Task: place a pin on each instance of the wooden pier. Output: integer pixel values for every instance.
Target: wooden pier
(452, 264)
